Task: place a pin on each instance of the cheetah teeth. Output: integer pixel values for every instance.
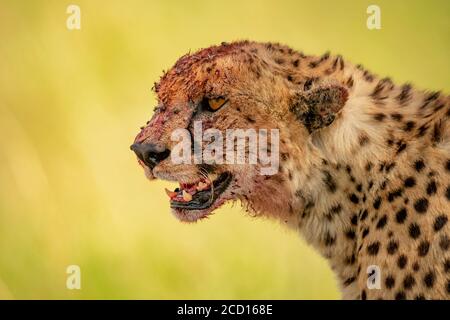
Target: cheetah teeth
(187, 196)
(187, 190)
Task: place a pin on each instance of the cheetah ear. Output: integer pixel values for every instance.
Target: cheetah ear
(318, 107)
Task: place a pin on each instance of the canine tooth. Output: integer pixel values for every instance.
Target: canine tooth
(171, 194)
(202, 186)
(187, 196)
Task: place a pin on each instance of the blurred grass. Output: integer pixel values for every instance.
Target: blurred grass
(72, 101)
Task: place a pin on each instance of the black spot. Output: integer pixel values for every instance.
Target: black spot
(447, 193)
(404, 95)
(382, 222)
(409, 126)
(379, 116)
(369, 166)
(423, 248)
(431, 97)
(329, 240)
(429, 279)
(444, 243)
(308, 83)
(353, 198)
(390, 166)
(350, 260)
(401, 147)
(377, 203)
(439, 107)
(295, 63)
(431, 188)
(350, 82)
(389, 282)
(422, 130)
(416, 267)
(440, 222)
(359, 187)
(390, 142)
(365, 232)
(392, 247)
(395, 194)
(336, 209)
(414, 230)
(329, 182)
(397, 116)
(367, 76)
(324, 57)
(307, 209)
(349, 281)
(410, 182)
(448, 286)
(409, 282)
(354, 220)
(350, 234)
(401, 215)
(447, 266)
(447, 165)
(419, 165)
(363, 140)
(373, 248)
(436, 135)
(364, 215)
(400, 296)
(421, 205)
(402, 261)
(363, 295)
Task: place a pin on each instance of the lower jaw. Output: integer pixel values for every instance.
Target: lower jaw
(189, 215)
(185, 215)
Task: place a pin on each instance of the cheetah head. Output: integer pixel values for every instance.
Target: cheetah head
(232, 86)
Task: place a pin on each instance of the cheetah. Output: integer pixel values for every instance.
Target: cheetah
(364, 172)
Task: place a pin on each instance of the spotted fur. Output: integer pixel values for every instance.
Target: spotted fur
(365, 179)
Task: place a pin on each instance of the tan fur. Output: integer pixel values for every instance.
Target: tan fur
(374, 149)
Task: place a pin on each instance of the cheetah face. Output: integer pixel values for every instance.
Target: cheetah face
(212, 89)
(219, 96)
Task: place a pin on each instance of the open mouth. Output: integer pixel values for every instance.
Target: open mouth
(200, 195)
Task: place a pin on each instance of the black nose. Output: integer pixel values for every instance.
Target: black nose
(149, 153)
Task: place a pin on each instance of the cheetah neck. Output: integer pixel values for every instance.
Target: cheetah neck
(380, 126)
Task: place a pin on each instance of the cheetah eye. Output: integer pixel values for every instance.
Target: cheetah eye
(213, 104)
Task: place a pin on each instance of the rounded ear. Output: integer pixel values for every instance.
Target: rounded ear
(318, 107)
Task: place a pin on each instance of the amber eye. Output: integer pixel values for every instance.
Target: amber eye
(215, 104)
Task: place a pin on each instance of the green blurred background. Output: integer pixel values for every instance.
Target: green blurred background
(71, 103)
